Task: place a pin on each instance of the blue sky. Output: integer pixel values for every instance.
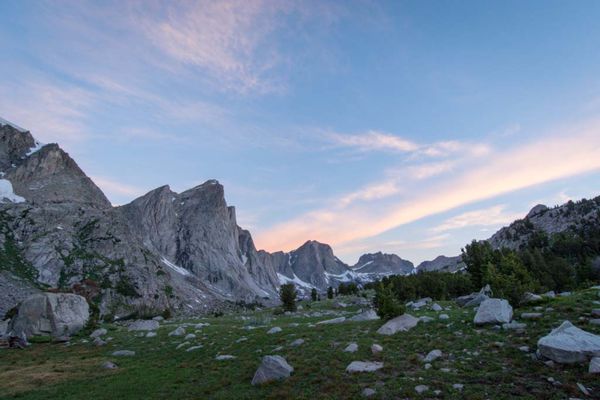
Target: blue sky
(407, 127)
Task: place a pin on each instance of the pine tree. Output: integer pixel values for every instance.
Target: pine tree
(287, 295)
(330, 292)
(313, 294)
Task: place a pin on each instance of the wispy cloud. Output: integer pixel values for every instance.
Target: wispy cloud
(573, 151)
(495, 215)
(386, 142)
(227, 39)
(52, 112)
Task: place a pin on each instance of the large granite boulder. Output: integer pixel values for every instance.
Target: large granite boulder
(55, 314)
(272, 368)
(402, 323)
(568, 344)
(493, 311)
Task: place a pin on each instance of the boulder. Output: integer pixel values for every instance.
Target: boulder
(368, 315)
(143, 325)
(436, 307)
(272, 368)
(364, 366)
(568, 344)
(55, 314)
(402, 323)
(493, 311)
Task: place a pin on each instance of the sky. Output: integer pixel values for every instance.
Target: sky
(408, 127)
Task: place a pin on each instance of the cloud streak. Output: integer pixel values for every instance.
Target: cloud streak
(574, 151)
(495, 215)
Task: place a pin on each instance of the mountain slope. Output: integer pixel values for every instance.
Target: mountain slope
(571, 215)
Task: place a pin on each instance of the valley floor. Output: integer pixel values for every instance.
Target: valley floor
(487, 362)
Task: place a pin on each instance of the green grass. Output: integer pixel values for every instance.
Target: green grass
(159, 370)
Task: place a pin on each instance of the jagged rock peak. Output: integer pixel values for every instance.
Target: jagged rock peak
(50, 175)
(15, 144)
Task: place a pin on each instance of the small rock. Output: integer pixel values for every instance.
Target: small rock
(432, 356)
(444, 317)
(189, 336)
(351, 348)
(376, 349)
(273, 330)
(182, 345)
(180, 331)
(225, 357)
(426, 319)
(364, 366)
(109, 365)
(98, 333)
(427, 366)
(368, 392)
(297, 342)
(194, 348)
(421, 389)
(158, 318)
(123, 353)
(531, 315)
(458, 386)
(524, 349)
(436, 307)
(151, 334)
(99, 342)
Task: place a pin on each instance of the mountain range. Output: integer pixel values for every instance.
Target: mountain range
(182, 252)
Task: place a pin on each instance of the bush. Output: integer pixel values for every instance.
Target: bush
(287, 295)
(386, 304)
